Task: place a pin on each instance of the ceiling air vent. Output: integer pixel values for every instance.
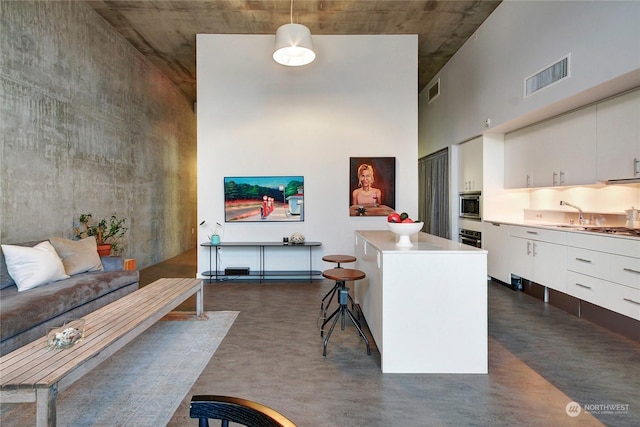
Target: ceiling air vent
(433, 91)
(548, 76)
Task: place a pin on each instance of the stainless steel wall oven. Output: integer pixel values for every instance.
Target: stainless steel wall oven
(471, 205)
(470, 237)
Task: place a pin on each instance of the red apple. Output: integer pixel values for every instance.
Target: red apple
(393, 217)
(407, 220)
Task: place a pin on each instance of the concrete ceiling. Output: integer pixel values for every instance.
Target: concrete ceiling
(164, 30)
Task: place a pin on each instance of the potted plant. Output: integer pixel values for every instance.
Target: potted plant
(106, 232)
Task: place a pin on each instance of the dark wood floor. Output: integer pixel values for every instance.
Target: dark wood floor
(540, 360)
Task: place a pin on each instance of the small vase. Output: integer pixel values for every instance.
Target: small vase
(104, 250)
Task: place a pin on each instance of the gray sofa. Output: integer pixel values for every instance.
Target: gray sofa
(26, 316)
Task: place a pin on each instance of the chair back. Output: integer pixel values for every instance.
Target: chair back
(237, 410)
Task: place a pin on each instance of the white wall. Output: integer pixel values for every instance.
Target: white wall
(485, 78)
(255, 117)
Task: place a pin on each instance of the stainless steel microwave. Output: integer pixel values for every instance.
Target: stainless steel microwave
(471, 205)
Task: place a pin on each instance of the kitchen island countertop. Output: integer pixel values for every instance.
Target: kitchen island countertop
(385, 241)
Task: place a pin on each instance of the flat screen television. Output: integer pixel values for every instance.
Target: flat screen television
(263, 198)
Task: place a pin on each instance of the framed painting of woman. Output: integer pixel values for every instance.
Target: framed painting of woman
(372, 183)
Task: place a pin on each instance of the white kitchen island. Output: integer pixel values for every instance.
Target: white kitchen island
(426, 305)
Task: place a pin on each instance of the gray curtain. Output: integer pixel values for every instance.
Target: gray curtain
(433, 196)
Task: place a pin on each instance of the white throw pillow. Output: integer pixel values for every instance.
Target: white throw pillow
(31, 267)
(78, 256)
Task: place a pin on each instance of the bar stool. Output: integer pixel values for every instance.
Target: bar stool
(340, 275)
(337, 259)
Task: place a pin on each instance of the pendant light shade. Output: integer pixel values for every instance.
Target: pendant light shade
(293, 45)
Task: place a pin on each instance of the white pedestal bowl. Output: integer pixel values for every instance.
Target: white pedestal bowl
(404, 230)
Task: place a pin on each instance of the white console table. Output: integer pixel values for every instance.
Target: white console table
(262, 272)
(425, 305)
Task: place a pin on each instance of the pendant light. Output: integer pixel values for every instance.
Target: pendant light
(293, 44)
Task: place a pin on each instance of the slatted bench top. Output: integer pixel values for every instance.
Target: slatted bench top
(34, 369)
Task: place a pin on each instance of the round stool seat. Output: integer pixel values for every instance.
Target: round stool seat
(339, 258)
(343, 274)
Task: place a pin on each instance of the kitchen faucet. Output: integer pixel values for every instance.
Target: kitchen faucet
(580, 214)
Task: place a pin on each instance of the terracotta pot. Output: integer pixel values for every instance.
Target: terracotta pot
(104, 250)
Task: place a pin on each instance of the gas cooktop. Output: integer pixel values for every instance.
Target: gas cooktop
(619, 231)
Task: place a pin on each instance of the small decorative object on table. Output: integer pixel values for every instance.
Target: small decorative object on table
(296, 238)
(65, 336)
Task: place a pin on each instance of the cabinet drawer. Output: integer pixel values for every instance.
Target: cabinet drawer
(591, 263)
(625, 270)
(618, 298)
(614, 245)
(621, 299)
(583, 287)
(540, 234)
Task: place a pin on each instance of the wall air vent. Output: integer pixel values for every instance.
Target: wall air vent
(433, 91)
(547, 76)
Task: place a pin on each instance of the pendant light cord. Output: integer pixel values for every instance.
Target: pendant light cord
(291, 12)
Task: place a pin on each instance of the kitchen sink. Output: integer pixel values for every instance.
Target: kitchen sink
(571, 226)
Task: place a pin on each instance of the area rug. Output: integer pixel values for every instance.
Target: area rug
(141, 385)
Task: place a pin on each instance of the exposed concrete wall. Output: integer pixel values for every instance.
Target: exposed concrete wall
(88, 125)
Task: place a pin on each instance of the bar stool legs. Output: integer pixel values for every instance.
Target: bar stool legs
(342, 312)
(338, 259)
(330, 295)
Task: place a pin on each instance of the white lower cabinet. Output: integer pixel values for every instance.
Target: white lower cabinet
(495, 238)
(600, 269)
(539, 255)
(615, 297)
(607, 279)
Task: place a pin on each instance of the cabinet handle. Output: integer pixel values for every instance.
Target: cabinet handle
(534, 248)
(584, 260)
(528, 248)
(636, 166)
(631, 301)
(561, 177)
(583, 286)
(532, 232)
(528, 180)
(631, 270)
(555, 178)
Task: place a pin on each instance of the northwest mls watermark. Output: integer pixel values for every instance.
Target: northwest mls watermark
(574, 409)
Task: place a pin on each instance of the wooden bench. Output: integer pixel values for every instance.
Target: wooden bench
(35, 373)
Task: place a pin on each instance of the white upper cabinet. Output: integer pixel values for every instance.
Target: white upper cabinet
(557, 152)
(470, 166)
(518, 149)
(577, 152)
(546, 165)
(618, 130)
